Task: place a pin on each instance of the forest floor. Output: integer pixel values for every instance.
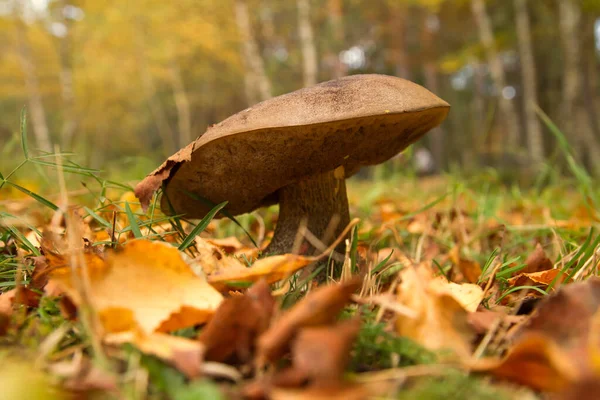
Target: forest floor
(451, 287)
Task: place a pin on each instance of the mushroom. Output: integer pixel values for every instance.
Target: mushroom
(296, 150)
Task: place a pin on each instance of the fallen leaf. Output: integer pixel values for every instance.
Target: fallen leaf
(21, 295)
(322, 353)
(212, 260)
(147, 284)
(469, 270)
(80, 374)
(568, 318)
(535, 362)
(468, 295)
(237, 323)
(587, 389)
(232, 245)
(319, 307)
(537, 261)
(184, 354)
(540, 278)
(272, 269)
(483, 320)
(347, 391)
(146, 188)
(441, 319)
(559, 346)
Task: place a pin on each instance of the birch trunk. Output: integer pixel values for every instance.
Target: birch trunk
(535, 142)
(507, 108)
(307, 43)
(428, 39)
(398, 14)
(69, 125)
(34, 97)
(149, 86)
(258, 86)
(334, 16)
(574, 121)
(182, 104)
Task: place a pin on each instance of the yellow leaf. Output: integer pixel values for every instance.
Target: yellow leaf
(148, 284)
(441, 318)
(184, 354)
(272, 269)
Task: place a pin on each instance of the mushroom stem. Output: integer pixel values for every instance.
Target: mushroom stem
(314, 201)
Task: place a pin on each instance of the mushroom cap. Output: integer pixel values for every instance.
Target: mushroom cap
(354, 121)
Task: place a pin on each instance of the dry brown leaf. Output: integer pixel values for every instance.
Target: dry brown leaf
(212, 260)
(232, 245)
(79, 374)
(535, 362)
(322, 353)
(184, 354)
(147, 284)
(348, 391)
(146, 188)
(441, 319)
(537, 261)
(569, 319)
(319, 307)
(272, 269)
(19, 295)
(540, 278)
(586, 389)
(483, 320)
(469, 270)
(237, 323)
(559, 347)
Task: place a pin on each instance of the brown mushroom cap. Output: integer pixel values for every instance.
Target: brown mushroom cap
(352, 122)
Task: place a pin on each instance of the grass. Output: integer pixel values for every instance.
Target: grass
(491, 223)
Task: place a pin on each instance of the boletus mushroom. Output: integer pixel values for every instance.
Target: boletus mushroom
(296, 150)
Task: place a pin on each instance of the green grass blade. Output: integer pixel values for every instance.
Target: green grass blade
(24, 143)
(33, 195)
(517, 288)
(424, 208)
(580, 173)
(133, 223)
(24, 241)
(201, 226)
(75, 169)
(382, 263)
(98, 218)
(224, 212)
(488, 264)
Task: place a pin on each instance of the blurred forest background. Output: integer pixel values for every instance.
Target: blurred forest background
(129, 82)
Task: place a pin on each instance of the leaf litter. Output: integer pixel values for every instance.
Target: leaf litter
(215, 310)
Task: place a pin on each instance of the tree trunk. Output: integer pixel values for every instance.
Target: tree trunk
(476, 143)
(66, 81)
(428, 40)
(156, 109)
(398, 51)
(590, 74)
(573, 122)
(528, 72)
(258, 86)
(36, 106)
(307, 43)
(507, 108)
(182, 104)
(336, 25)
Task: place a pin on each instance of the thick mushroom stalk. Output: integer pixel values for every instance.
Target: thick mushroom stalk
(320, 202)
